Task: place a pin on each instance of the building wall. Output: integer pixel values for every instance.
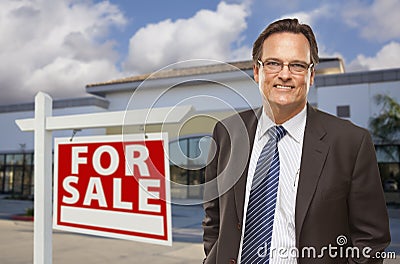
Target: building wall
(359, 97)
(16, 148)
(212, 101)
(204, 96)
(12, 136)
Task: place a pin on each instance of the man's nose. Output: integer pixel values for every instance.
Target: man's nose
(285, 73)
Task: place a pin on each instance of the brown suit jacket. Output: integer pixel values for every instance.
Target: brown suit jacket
(339, 190)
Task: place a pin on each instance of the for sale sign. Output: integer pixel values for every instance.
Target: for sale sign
(114, 186)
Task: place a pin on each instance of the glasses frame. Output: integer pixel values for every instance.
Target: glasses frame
(282, 64)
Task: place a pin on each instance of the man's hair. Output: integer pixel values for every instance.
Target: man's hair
(286, 25)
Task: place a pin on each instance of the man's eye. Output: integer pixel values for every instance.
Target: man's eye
(273, 63)
(298, 66)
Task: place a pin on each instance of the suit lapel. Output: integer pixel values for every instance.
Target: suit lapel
(240, 186)
(313, 158)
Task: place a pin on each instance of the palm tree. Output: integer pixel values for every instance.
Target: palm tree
(386, 126)
(386, 129)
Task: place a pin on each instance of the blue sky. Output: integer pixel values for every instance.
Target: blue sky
(60, 46)
(260, 14)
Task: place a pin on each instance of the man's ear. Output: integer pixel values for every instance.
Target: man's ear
(312, 76)
(255, 72)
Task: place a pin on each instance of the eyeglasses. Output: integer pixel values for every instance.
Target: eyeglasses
(273, 66)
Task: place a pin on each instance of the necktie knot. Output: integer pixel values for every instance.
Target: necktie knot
(277, 132)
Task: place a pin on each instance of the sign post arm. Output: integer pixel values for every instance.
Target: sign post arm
(42, 252)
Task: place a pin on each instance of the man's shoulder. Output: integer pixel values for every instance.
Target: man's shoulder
(245, 116)
(239, 123)
(336, 124)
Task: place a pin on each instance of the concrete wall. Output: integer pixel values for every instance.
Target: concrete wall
(12, 137)
(204, 96)
(360, 98)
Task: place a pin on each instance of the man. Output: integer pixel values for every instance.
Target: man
(319, 199)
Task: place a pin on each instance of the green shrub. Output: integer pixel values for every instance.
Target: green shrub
(29, 211)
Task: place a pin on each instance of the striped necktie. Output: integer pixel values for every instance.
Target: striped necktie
(262, 201)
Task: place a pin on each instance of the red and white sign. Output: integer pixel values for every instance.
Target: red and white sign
(114, 187)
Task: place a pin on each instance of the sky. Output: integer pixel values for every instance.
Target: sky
(60, 46)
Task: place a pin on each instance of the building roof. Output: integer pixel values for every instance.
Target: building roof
(325, 66)
(328, 66)
(170, 73)
(387, 75)
(57, 104)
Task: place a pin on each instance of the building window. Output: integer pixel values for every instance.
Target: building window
(389, 167)
(188, 158)
(16, 174)
(343, 111)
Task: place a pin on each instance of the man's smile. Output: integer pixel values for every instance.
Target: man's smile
(286, 87)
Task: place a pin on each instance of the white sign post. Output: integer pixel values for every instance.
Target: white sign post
(42, 237)
(43, 124)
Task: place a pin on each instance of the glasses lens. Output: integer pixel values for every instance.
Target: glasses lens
(298, 67)
(273, 66)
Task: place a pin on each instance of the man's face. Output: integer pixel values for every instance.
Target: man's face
(285, 92)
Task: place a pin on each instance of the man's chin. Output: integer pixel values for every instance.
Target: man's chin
(288, 108)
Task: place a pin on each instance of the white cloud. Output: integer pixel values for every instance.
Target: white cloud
(206, 35)
(241, 54)
(310, 17)
(323, 52)
(384, 58)
(66, 77)
(377, 21)
(55, 46)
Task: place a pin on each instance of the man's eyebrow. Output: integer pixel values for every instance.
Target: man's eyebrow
(276, 59)
(297, 61)
(293, 61)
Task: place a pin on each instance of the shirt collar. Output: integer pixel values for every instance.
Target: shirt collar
(295, 126)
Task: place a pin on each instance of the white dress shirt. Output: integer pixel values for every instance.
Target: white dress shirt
(283, 244)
